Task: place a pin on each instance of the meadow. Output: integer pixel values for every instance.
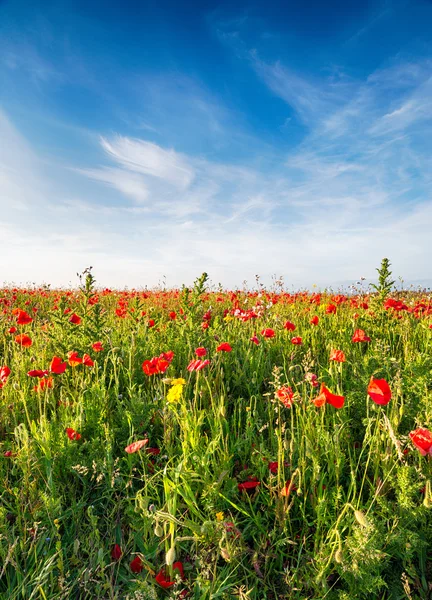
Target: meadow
(208, 444)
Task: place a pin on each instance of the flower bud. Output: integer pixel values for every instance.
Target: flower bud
(170, 556)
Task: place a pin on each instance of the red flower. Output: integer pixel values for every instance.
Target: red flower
(337, 355)
(116, 552)
(285, 395)
(200, 352)
(248, 485)
(268, 333)
(330, 309)
(9, 454)
(97, 347)
(289, 326)
(255, 340)
(197, 365)
(24, 340)
(360, 336)
(12, 330)
(172, 315)
(72, 434)
(155, 365)
(57, 366)
(150, 323)
(37, 373)
(136, 565)
(224, 347)
(167, 355)
(46, 383)
(162, 577)
(153, 451)
(22, 317)
(288, 488)
(379, 391)
(297, 341)
(135, 446)
(314, 320)
(73, 358)
(422, 440)
(204, 325)
(75, 319)
(87, 361)
(325, 396)
(4, 374)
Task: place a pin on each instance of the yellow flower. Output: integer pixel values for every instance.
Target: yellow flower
(228, 318)
(178, 381)
(219, 516)
(175, 393)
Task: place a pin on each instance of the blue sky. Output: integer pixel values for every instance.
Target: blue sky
(156, 140)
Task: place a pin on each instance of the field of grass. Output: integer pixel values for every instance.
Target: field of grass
(212, 444)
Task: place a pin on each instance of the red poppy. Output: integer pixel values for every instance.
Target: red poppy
(22, 317)
(37, 373)
(289, 326)
(330, 309)
(285, 395)
(72, 434)
(422, 440)
(337, 356)
(288, 488)
(150, 323)
(224, 347)
(273, 467)
(360, 336)
(254, 339)
(167, 355)
(268, 333)
(204, 325)
(4, 374)
(97, 347)
(248, 486)
(153, 451)
(379, 391)
(9, 454)
(135, 446)
(116, 552)
(57, 365)
(75, 319)
(200, 352)
(87, 361)
(24, 340)
(162, 576)
(12, 330)
(136, 565)
(297, 341)
(197, 365)
(73, 358)
(172, 315)
(155, 365)
(45, 383)
(314, 320)
(325, 396)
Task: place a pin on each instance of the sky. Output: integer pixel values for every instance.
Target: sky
(157, 140)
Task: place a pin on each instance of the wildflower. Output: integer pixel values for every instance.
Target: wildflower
(87, 361)
(151, 323)
(57, 366)
(9, 454)
(254, 339)
(24, 340)
(360, 336)
(72, 434)
(197, 365)
(325, 396)
(200, 352)
(175, 393)
(97, 347)
(136, 565)
(268, 333)
(178, 381)
(116, 552)
(248, 486)
(289, 326)
(312, 379)
(314, 320)
(288, 488)
(73, 358)
(4, 375)
(379, 391)
(156, 365)
(22, 317)
(224, 347)
(75, 319)
(162, 577)
(46, 383)
(12, 330)
(37, 373)
(172, 315)
(219, 516)
(273, 467)
(422, 440)
(285, 395)
(135, 446)
(330, 309)
(337, 356)
(297, 341)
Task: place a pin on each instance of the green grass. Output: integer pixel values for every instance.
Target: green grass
(355, 520)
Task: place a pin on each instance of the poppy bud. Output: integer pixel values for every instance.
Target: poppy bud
(338, 556)
(361, 518)
(170, 556)
(158, 531)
